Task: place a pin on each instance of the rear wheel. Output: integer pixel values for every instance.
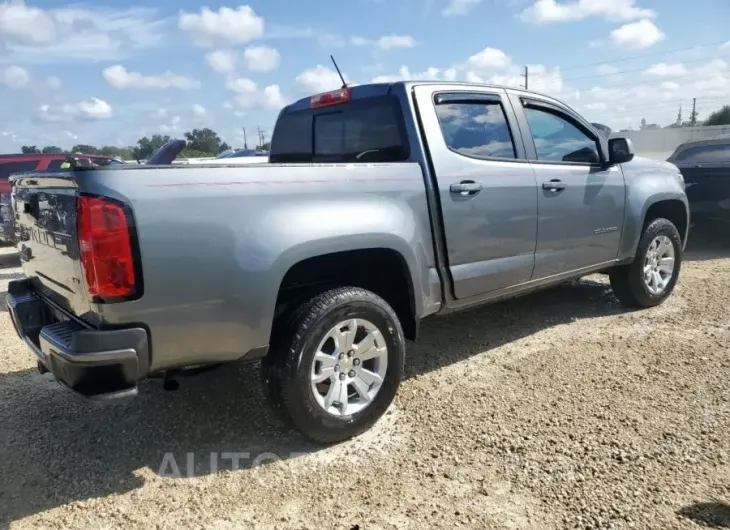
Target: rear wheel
(336, 364)
(651, 278)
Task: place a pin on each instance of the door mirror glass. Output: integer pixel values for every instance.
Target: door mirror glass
(620, 150)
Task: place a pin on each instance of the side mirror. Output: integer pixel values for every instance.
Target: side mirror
(620, 150)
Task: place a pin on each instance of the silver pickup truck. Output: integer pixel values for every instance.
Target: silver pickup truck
(380, 205)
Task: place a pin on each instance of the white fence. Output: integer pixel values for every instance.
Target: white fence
(660, 143)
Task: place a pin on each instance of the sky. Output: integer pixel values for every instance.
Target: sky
(109, 72)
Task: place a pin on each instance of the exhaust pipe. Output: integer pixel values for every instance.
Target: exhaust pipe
(169, 383)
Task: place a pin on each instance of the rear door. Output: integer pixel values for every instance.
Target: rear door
(580, 198)
(487, 190)
(706, 172)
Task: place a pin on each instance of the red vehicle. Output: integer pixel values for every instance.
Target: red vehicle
(10, 164)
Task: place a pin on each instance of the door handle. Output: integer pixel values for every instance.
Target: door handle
(466, 187)
(554, 185)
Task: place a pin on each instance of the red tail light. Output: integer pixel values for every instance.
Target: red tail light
(335, 97)
(106, 248)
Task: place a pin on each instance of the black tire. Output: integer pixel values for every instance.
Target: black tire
(286, 369)
(627, 281)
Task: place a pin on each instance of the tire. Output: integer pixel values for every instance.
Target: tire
(288, 369)
(628, 281)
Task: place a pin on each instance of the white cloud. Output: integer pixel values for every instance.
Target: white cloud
(664, 69)
(607, 69)
(32, 34)
(248, 94)
(551, 11)
(225, 25)
(404, 74)
(641, 34)
(90, 109)
(14, 77)
(319, 79)
(489, 58)
(669, 85)
(222, 61)
(386, 42)
(459, 7)
(261, 58)
(118, 77)
(54, 83)
(199, 110)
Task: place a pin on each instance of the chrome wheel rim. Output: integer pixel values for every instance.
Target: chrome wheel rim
(659, 265)
(349, 367)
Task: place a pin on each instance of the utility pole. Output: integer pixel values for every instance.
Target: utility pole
(525, 75)
(261, 135)
(245, 144)
(693, 116)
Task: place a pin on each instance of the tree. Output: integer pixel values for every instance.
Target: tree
(267, 146)
(85, 149)
(51, 150)
(224, 147)
(204, 140)
(693, 118)
(643, 124)
(147, 146)
(29, 150)
(719, 117)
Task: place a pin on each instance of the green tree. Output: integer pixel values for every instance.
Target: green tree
(719, 117)
(147, 146)
(85, 149)
(265, 146)
(29, 150)
(51, 150)
(204, 140)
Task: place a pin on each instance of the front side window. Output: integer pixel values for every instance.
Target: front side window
(705, 154)
(558, 140)
(476, 129)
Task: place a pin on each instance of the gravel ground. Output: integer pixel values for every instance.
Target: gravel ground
(557, 410)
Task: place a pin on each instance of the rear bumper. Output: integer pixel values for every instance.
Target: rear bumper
(101, 365)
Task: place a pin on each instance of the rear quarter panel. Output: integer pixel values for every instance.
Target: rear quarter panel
(216, 243)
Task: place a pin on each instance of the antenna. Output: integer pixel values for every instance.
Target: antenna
(344, 84)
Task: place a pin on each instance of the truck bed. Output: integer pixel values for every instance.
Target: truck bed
(228, 235)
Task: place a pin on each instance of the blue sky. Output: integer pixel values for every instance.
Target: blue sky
(110, 72)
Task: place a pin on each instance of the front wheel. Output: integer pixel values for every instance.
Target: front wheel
(336, 365)
(651, 277)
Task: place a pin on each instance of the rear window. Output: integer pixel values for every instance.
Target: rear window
(8, 168)
(367, 130)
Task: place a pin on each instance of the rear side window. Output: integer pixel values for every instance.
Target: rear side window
(367, 130)
(55, 165)
(8, 168)
(705, 153)
(478, 130)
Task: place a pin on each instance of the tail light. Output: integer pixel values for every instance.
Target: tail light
(105, 242)
(335, 97)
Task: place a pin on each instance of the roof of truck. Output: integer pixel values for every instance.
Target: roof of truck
(369, 90)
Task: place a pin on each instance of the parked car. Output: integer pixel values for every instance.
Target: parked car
(705, 165)
(381, 204)
(10, 164)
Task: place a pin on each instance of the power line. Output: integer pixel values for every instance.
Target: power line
(619, 72)
(654, 54)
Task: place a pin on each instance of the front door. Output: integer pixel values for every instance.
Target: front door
(580, 199)
(487, 190)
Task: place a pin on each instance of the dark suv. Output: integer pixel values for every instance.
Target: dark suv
(705, 166)
(11, 164)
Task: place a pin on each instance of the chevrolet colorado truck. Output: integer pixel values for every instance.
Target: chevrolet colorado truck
(380, 205)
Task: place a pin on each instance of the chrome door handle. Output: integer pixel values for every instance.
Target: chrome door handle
(554, 185)
(466, 187)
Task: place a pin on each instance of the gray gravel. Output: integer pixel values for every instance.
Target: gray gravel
(557, 410)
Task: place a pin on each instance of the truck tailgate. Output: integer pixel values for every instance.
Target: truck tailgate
(48, 241)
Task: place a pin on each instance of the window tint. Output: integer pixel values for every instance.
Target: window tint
(476, 129)
(705, 153)
(8, 168)
(366, 130)
(55, 165)
(558, 140)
